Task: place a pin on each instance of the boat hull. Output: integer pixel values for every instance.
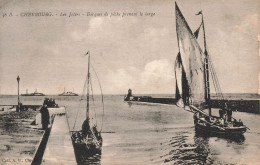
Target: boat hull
(68, 95)
(83, 151)
(85, 147)
(203, 126)
(40, 94)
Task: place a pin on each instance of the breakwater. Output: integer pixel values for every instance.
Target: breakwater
(25, 107)
(250, 106)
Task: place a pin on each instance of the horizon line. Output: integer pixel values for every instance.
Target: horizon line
(140, 94)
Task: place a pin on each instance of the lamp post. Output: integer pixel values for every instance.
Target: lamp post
(18, 79)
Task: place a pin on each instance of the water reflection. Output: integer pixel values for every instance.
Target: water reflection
(129, 104)
(197, 150)
(184, 152)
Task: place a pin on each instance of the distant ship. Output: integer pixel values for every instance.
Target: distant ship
(68, 93)
(33, 94)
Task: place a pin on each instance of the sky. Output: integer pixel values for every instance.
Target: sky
(136, 52)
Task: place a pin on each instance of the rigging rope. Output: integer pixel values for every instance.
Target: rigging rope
(81, 98)
(214, 83)
(83, 93)
(102, 97)
(93, 98)
(212, 69)
(215, 79)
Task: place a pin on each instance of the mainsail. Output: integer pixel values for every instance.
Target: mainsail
(189, 66)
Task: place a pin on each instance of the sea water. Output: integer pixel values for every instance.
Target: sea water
(147, 133)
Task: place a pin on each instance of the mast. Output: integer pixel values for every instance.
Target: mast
(18, 105)
(87, 112)
(207, 87)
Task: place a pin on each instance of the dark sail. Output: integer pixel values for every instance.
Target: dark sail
(182, 87)
(192, 62)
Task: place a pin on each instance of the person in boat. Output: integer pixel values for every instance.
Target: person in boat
(207, 118)
(229, 113)
(221, 113)
(51, 103)
(213, 120)
(240, 123)
(235, 123)
(46, 101)
(54, 103)
(45, 117)
(218, 121)
(222, 122)
(85, 127)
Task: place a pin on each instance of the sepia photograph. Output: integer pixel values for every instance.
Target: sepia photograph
(129, 82)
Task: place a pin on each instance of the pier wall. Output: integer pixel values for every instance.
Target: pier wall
(250, 106)
(56, 146)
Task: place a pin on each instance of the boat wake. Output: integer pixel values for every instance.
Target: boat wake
(182, 151)
(188, 148)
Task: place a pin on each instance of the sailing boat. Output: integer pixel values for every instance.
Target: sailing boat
(192, 67)
(87, 141)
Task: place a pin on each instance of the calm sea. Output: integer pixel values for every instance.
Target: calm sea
(143, 133)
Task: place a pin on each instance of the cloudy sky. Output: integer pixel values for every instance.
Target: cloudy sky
(135, 52)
